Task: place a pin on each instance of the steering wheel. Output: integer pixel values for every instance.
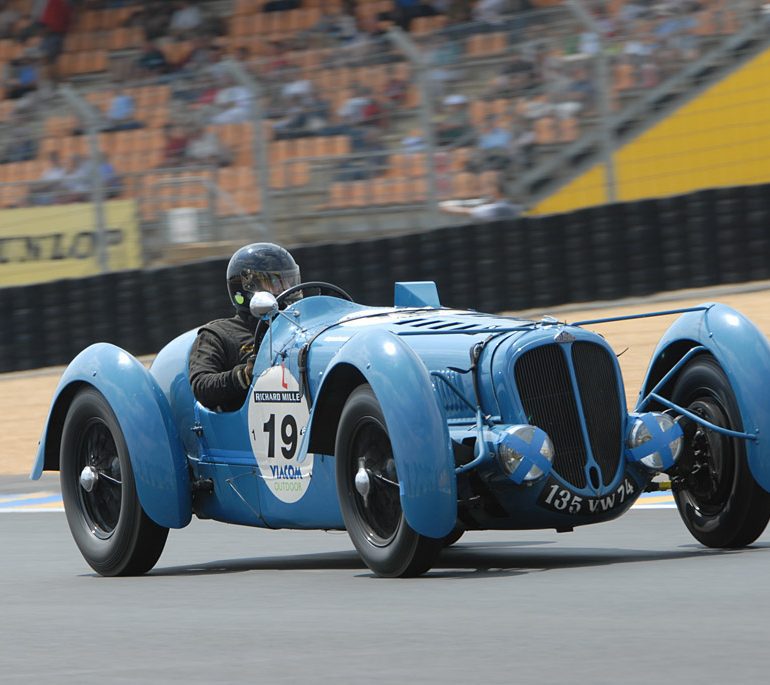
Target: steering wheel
(318, 288)
(321, 287)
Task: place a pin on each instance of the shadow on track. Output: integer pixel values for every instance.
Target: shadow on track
(464, 560)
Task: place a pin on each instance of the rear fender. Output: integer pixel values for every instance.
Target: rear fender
(416, 423)
(743, 353)
(157, 456)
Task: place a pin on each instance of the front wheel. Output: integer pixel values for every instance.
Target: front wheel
(718, 499)
(368, 488)
(107, 521)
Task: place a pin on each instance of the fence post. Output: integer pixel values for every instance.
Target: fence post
(605, 106)
(90, 119)
(243, 78)
(409, 49)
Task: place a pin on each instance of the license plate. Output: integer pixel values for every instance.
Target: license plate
(562, 500)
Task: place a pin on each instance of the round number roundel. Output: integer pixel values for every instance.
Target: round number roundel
(278, 417)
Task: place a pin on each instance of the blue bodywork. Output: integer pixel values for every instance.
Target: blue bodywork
(742, 352)
(448, 383)
(142, 410)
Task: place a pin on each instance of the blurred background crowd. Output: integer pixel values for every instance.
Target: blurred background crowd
(312, 106)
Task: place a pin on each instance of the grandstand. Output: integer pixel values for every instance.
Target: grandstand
(309, 120)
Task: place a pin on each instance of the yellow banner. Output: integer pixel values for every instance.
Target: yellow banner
(40, 244)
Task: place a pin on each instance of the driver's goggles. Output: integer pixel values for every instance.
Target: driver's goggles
(271, 281)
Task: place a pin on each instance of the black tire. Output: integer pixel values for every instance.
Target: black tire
(454, 536)
(109, 526)
(376, 525)
(718, 499)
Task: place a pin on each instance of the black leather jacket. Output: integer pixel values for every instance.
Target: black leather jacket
(218, 361)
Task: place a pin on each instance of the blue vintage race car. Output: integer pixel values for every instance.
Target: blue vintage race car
(410, 424)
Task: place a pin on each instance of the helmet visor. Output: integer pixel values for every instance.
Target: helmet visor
(271, 281)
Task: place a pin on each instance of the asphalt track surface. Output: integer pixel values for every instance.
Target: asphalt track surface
(636, 600)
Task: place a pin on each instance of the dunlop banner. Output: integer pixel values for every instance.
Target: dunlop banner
(40, 244)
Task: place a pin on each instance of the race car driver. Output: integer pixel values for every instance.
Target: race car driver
(222, 356)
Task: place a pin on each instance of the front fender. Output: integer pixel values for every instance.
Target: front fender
(743, 353)
(157, 456)
(416, 424)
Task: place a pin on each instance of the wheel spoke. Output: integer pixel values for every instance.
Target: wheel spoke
(380, 510)
(102, 474)
(101, 506)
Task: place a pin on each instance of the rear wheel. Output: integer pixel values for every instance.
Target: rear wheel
(717, 497)
(368, 487)
(107, 521)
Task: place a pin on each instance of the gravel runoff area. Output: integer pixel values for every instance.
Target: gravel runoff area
(25, 396)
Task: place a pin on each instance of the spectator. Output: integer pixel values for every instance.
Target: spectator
(49, 187)
(152, 61)
(372, 113)
(277, 63)
(404, 11)
(490, 11)
(395, 89)
(351, 112)
(185, 21)
(444, 55)
(497, 206)
(232, 103)
(493, 149)
(317, 110)
(580, 90)
(175, 145)
(76, 183)
(216, 66)
(18, 141)
(121, 113)
(111, 183)
(204, 147)
(204, 93)
(295, 86)
(22, 76)
(9, 16)
(453, 124)
(198, 58)
(281, 5)
(55, 19)
(152, 17)
(370, 156)
(292, 124)
(523, 144)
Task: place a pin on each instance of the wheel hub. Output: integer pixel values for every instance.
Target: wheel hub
(362, 482)
(89, 477)
(709, 460)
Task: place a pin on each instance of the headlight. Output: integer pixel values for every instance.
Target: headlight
(655, 440)
(525, 452)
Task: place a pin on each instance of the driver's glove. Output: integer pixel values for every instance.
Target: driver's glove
(247, 372)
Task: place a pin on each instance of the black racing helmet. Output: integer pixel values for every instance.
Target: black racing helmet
(259, 267)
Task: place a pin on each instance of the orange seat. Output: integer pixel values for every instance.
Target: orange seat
(299, 174)
(60, 125)
(337, 195)
(465, 185)
(624, 76)
(124, 38)
(545, 131)
(569, 130)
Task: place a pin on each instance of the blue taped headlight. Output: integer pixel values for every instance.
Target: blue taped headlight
(654, 440)
(525, 453)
